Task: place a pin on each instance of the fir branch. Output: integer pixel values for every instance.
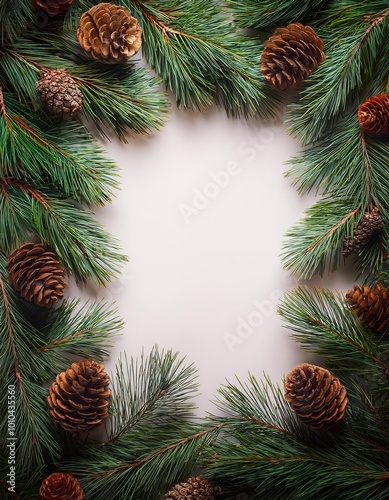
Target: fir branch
(267, 14)
(196, 50)
(351, 62)
(146, 390)
(324, 324)
(315, 242)
(80, 242)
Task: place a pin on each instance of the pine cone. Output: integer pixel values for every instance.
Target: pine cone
(194, 488)
(370, 226)
(373, 114)
(108, 33)
(371, 305)
(59, 92)
(60, 486)
(37, 274)
(290, 55)
(78, 399)
(318, 398)
(52, 7)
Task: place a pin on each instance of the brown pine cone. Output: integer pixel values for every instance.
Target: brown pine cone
(37, 274)
(368, 228)
(290, 55)
(373, 114)
(59, 92)
(60, 486)
(78, 399)
(108, 33)
(371, 305)
(52, 7)
(318, 398)
(194, 488)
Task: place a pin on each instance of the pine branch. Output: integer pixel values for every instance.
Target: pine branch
(353, 55)
(19, 370)
(69, 331)
(65, 156)
(195, 49)
(315, 242)
(115, 98)
(267, 14)
(80, 242)
(146, 390)
(143, 463)
(259, 453)
(322, 323)
(14, 15)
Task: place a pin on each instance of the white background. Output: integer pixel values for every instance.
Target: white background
(206, 283)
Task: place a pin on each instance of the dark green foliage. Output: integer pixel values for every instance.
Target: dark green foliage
(200, 56)
(269, 14)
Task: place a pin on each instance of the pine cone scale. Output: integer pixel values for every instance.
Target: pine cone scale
(371, 305)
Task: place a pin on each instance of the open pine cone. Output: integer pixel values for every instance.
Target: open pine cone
(60, 486)
(318, 398)
(59, 92)
(52, 7)
(108, 33)
(78, 399)
(36, 274)
(371, 305)
(194, 488)
(290, 55)
(373, 114)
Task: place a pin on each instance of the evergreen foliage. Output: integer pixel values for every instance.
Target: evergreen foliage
(52, 174)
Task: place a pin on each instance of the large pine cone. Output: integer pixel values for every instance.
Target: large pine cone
(52, 7)
(108, 33)
(368, 228)
(60, 486)
(59, 92)
(373, 114)
(37, 274)
(78, 399)
(194, 488)
(371, 305)
(318, 398)
(290, 55)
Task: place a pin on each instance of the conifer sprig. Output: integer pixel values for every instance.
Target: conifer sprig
(80, 242)
(195, 48)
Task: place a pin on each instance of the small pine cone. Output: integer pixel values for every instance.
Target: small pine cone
(318, 398)
(78, 399)
(290, 55)
(60, 486)
(194, 488)
(371, 305)
(36, 274)
(373, 114)
(59, 92)
(108, 33)
(370, 226)
(52, 7)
